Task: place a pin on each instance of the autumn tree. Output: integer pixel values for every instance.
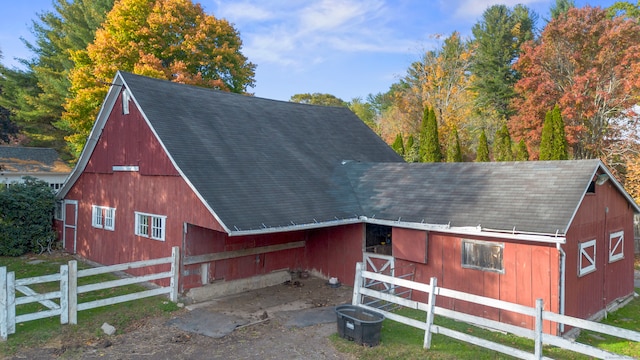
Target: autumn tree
(429, 143)
(168, 39)
(454, 153)
(577, 64)
(38, 106)
(318, 99)
(482, 152)
(498, 37)
(502, 145)
(441, 81)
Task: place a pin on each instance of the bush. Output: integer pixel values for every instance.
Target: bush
(26, 217)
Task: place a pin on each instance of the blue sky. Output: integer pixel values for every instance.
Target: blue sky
(348, 48)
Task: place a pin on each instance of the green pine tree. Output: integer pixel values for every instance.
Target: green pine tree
(502, 150)
(553, 140)
(398, 144)
(559, 146)
(546, 138)
(429, 144)
(483, 148)
(454, 153)
(411, 150)
(522, 154)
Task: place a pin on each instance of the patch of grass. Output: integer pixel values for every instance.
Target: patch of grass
(49, 331)
(400, 341)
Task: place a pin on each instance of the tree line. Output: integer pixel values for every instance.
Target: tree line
(566, 90)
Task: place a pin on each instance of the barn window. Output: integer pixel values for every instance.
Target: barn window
(482, 255)
(103, 217)
(587, 262)
(150, 226)
(616, 246)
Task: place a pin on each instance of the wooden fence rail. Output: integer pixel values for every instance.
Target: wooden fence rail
(433, 291)
(67, 294)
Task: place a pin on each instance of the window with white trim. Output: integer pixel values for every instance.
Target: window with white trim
(103, 217)
(482, 255)
(150, 225)
(587, 262)
(616, 246)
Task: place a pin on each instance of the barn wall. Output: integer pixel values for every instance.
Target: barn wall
(600, 214)
(156, 188)
(530, 272)
(334, 252)
(201, 241)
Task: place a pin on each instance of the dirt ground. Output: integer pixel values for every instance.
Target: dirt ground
(264, 335)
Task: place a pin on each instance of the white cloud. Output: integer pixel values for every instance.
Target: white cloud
(299, 33)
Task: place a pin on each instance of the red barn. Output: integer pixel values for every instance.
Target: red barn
(252, 188)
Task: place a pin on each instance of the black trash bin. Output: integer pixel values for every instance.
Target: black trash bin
(358, 324)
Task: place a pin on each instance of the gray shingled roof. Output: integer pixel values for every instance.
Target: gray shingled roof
(535, 196)
(258, 163)
(31, 160)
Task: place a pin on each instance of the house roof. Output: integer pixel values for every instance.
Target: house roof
(255, 163)
(520, 197)
(30, 160)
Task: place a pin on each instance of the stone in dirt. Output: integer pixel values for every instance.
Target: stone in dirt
(108, 329)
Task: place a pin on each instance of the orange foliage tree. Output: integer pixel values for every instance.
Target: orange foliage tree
(169, 39)
(589, 64)
(441, 81)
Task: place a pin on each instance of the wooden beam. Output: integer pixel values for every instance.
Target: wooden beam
(190, 260)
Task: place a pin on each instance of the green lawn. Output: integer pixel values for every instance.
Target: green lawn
(399, 341)
(40, 332)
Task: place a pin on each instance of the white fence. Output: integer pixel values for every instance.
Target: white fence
(433, 291)
(68, 292)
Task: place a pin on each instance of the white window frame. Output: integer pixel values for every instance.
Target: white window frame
(103, 217)
(151, 226)
(485, 244)
(616, 246)
(583, 254)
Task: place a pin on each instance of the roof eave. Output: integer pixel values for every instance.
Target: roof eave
(472, 231)
(297, 227)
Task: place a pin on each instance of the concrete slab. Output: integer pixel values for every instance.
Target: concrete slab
(208, 323)
(308, 317)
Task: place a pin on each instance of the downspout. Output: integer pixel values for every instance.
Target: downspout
(563, 257)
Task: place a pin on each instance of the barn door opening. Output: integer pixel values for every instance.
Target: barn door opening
(69, 230)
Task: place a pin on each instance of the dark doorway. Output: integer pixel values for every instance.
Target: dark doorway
(378, 239)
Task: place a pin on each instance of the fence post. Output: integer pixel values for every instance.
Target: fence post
(357, 284)
(538, 333)
(64, 294)
(175, 273)
(72, 296)
(11, 302)
(430, 312)
(4, 328)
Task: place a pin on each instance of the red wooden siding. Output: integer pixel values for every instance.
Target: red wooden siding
(335, 251)
(530, 272)
(599, 215)
(156, 189)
